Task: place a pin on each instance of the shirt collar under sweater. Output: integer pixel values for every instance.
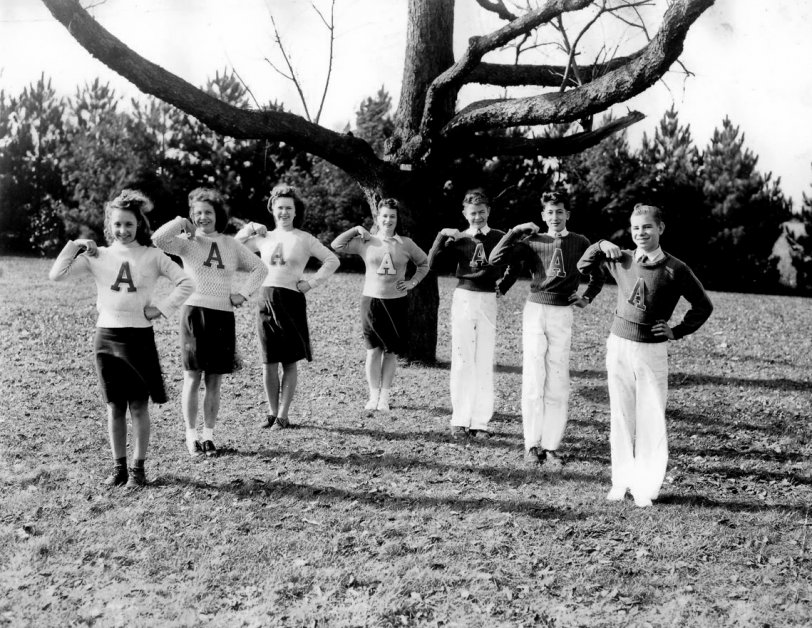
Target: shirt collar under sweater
(395, 237)
(130, 245)
(653, 256)
(471, 231)
(559, 234)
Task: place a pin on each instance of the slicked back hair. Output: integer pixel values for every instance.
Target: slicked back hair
(655, 212)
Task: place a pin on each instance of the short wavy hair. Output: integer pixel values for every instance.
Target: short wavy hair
(216, 200)
(655, 212)
(476, 196)
(556, 197)
(139, 204)
(283, 190)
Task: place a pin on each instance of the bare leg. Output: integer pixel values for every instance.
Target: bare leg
(139, 411)
(389, 364)
(373, 373)
(117, 429)
(290, 377)
(189, 402)
(211, 399)
(270, 380)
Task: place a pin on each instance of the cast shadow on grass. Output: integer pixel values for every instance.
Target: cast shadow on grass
(716, 425)
(516, 475)
(684, 380)
(702, 501)
(730, 473)
(305, 492)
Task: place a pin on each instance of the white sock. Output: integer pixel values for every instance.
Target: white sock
(191, 434)
(208, 433)
(384, 398)
(373, 400)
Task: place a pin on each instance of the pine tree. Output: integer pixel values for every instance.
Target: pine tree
(670, 179)
(31, 186)
(746, 209)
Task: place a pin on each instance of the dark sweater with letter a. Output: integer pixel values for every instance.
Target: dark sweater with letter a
(474, 272)
(647, 293)
(552, 263)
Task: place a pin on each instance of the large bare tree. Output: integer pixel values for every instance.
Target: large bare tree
(430, 127)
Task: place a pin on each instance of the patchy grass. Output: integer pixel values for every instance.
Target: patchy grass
(351, 520)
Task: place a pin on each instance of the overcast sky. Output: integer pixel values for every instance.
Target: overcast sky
(749, 57)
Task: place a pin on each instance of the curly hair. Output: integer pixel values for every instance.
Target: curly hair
(139, 205)
(556, 197)
(216, 200)
(283, 190)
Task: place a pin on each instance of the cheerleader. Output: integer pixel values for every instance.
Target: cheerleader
(384, 306)
(127, 363)
(284, 336)
(207, 329)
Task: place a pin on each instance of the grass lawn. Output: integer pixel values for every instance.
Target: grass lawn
(350, 520)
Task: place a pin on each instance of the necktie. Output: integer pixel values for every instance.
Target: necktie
(643, 259)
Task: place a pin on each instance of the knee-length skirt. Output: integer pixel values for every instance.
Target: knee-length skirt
(385, 323)
(207, 339)
(127, 364)
(282, 326)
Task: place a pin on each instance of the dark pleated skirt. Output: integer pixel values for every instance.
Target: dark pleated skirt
(207, 340)
(127, 365)
(385, 323)
(282, 326)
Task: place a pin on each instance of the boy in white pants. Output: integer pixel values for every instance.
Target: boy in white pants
(650, 283)
(547, 322)
(473, 315)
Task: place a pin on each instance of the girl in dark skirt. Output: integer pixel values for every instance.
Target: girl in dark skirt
(384, 303)
(207, 331)
(282, 318)
(127, 363)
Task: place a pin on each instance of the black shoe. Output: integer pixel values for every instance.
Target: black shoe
(209, 449)
(552, 461)
(282, 423)
(532, 457)
(481, 434)
(118, 477)
(458, 432)
(137, 479)
(270, 419)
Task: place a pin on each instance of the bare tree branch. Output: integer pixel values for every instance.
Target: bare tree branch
(292, 77)
(544, 146)
(505, 75)
(454, 77)
(618, 85)
(330, 27)
(351, 154)
(498, 7)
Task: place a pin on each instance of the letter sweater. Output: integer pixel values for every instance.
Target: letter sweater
(474, 272)
(212, 261)
(125, 276)
(648, 293)
(552, 263)
(286, 254)
(385, 260)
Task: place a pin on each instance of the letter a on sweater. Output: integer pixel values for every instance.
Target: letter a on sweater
(638, 296)
(387, 267)
(214, 256)
(124, 276)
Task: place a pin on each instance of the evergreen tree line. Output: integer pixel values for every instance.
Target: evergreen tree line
(62, 158)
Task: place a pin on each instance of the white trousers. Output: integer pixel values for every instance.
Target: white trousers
(473, 342)
(546, 336)
(638, 387)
